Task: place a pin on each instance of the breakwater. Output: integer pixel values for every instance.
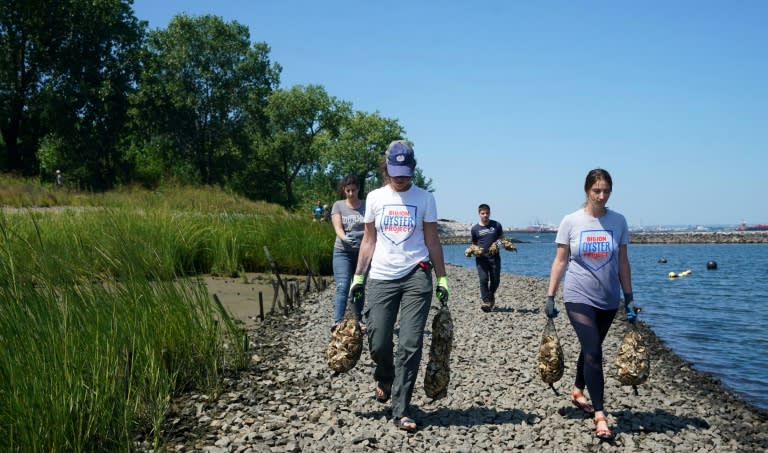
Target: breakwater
(700, 237)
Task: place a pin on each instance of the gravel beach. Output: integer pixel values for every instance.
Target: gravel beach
(289, 400)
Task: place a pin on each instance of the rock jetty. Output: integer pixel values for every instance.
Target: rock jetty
(289, 400)
(452, 232)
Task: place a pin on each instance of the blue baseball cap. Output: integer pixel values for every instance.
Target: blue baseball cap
(400, 159)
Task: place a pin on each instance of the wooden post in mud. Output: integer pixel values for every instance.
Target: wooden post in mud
(311, 275)
(297, 294)
(261, 306)
(277, 274)
(275, 293)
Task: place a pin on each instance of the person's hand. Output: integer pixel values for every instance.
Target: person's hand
(357, 289)
(549, 308)
(351, 240)
(442, 289)
(630, 308)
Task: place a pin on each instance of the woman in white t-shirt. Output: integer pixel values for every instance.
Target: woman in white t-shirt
(399, 250)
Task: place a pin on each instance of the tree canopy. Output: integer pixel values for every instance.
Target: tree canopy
(85, 88)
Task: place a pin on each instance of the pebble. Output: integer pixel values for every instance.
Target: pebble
(289, 400)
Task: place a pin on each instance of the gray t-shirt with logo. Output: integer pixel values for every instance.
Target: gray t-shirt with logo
(351, 221)
(592, 277)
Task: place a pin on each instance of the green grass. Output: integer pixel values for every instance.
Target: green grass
(102, 320)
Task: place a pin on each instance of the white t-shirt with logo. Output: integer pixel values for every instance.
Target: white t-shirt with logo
(399, 220)
(592, 277)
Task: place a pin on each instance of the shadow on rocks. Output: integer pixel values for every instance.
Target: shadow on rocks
(472, 416)
(658, 421)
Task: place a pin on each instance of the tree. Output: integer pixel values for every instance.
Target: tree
(302, 120)
(360, 147)
(203, 91)
(67, 68)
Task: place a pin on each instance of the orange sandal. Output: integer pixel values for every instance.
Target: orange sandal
(585, 407)
(604, 433)
(383, 392)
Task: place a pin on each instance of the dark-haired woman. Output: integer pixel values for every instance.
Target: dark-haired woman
(347, 219)
(592, 253)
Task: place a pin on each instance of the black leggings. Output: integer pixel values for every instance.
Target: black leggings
(591, 326)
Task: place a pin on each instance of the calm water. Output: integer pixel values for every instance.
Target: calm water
(715, 319)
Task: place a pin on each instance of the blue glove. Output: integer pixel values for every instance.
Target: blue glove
(630, 308)
(442, 289)
(357, 289)
(549, 308)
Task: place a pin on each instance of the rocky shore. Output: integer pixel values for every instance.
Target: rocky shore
(289, 400)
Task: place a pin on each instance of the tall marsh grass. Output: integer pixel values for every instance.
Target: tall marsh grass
(102, 320)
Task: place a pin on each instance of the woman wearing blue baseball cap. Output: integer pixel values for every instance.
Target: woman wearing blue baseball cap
(400, 248)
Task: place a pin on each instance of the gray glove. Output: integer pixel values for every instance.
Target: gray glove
(353, 238)
(549, 308)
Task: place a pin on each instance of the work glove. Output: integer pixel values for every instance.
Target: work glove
(351, 240)
(442, 289)
(549, 308)
(630, 308)
(357, 289)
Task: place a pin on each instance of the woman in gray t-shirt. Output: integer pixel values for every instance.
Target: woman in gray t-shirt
(592, 253)
(347, 219)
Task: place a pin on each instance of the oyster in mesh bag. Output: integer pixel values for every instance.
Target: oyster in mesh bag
(473, 250)
(346, 345)
(438, 373)
(551, 358)
(508, 245)
(633, 361)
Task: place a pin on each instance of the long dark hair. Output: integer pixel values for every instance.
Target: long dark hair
(346, 181)
(594, 175)
(597, 174)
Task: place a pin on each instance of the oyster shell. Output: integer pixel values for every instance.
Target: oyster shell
(551, 358)
(438, 372)
(633, 361)
(346, 346)
(473, 250)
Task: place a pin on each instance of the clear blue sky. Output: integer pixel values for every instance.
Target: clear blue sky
(511, 103)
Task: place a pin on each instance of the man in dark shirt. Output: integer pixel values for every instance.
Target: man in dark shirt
(486, 234)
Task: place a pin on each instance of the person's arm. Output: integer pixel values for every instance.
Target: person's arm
(366, 249)
(559, 264)
(432, 241)
(625, 270)
(338, 226)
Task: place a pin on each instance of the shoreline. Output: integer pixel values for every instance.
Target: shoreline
(676, 237)
(289, 400)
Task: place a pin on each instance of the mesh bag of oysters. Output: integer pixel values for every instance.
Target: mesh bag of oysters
(551, 358)
(346, 343)
(473, 250)
(633, 361)
(508, 245)
(438, 373)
